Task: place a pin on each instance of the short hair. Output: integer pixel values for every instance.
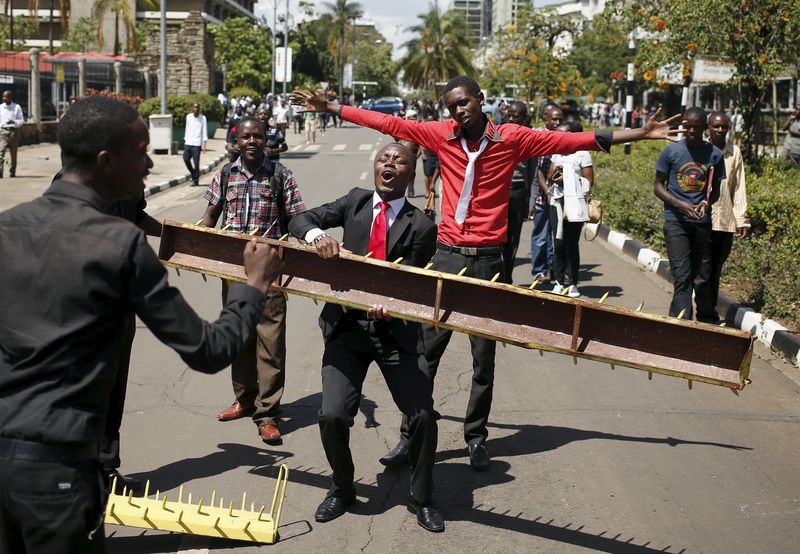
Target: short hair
(401, 145)
(696, 112)
(469, 84)
(91, 125)
(550, 107)
(250, 119)
(518, 105)
(573, 125)
(712, 115)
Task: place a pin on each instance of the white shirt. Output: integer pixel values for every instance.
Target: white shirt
(281, 114)
(196, 131)
(391, 214)
(11, 115)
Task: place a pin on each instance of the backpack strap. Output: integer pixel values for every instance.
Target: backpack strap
(224, 178)
(276, 184)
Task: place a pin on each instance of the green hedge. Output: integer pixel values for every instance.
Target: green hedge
(762, 271)
(238, 92)
(180, 106)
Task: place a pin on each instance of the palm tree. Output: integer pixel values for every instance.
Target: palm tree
(439, 53)
(121, 8)
(343, 11)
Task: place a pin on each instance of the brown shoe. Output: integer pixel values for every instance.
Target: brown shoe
(269, 433)
(235, 411)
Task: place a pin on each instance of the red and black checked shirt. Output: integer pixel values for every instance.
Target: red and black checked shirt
(249, 201)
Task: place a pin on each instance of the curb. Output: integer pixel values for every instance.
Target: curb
(154, 189)
(767, 331)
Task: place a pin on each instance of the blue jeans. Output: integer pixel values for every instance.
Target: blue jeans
(192, 153)
(541, 241)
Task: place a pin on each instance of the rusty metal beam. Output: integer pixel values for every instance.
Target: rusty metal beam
(506, 313)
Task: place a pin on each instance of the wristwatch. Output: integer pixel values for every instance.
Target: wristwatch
(319, 238)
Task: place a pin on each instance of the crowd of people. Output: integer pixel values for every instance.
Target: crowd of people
(66, 343)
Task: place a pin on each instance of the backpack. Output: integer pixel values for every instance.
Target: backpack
(276, 186)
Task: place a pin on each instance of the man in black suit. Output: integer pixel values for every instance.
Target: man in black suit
(383, 223)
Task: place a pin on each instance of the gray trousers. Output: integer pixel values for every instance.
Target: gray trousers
(9, 142)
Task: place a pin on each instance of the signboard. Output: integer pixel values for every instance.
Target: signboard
(7, 79)
(347, 81)
(672, 74)
(283, 55)
(59, 74)
(708, 70)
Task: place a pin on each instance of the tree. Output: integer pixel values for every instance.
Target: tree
(342, 11)
(123, 9)
(761, 39)
(440, 52)
(600, 50)
(81, 36)
(246, 50)
(311, 57)
(374, 63)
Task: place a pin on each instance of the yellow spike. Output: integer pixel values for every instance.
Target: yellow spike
(650, 375)
(398, 260)
(368, 255)
(533, 285)
(541, 353)
(180, 494)
(575, 360)
(144, 517)
(723, 324)
(203, 275)
(180, 521)
(164, 504)
(225, 228)
(252, 507)
(565, 291)
(405, 323)
(112, 514)
(462, 272)
(496, 276)
(130, 497)
(114, 486)
(612, 367)
(146, 489)
(603, 299)
(124, 491)
(253, 232)
(315, 301)
(735, 392)
(285, 295)
(221, 501)
(230, 510)
(260, 513)
(641, 305)
(244, 529)
(189, 501)
(680, 315)
(200, 507)
(504, 344)
(216, 525)
(157, 493)
(690, 384)
(177, 272)
(199, 221)
(284, 237)
(430, 265)
(244, 500)
(344, 308)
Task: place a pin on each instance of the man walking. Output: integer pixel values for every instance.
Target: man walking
(255, 195)
(195, 140)
(10, 121)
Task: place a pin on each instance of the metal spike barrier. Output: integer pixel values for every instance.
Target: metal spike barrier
(211, 521)
(498, 311)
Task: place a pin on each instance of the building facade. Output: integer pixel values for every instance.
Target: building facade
(504, 13)
(476, 15)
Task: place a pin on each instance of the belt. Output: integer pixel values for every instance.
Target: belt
(476, 251)
(29, 451)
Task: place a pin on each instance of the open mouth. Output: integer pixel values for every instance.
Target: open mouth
(387, 175)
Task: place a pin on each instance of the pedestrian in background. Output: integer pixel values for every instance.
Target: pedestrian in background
(791, 144)
(11, 120)
(195, 139)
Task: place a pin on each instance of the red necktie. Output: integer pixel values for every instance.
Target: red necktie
(377, 239)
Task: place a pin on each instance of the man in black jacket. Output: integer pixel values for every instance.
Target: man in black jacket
(384, 224)
(71, 273)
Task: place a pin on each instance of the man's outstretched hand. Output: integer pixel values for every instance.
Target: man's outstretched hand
(312, 100)
(655, 129)
(262, 264)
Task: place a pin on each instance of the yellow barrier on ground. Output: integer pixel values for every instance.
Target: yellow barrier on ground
(212, 519)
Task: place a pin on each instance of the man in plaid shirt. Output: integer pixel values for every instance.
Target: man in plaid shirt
(249, 205)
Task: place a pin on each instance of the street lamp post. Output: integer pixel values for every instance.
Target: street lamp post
(629, 97)
(162, 75)
(274, 42)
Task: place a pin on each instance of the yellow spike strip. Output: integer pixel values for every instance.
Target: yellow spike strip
(430, 265)
(213, 497)
(144, 517)
(368, 255)
(225, 228)
(680, 315)
(146, 489)
(164, 504)
(398, 260)
(230, 510)
(260, 513)
(114, 486)
(157, 493)
(189, 501)
(462, 272)
(533, 285)
(284, 237)
(496, 276)
(112, 514)
(641, 305)
(180, 494)
(200, 507)
(244, 500)
(254, 231)
(199, 221)
(603, 299)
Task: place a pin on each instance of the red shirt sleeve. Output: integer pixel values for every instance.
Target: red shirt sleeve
(536, 143)
(428, 134)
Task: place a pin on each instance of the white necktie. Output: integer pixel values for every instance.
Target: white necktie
(469, 177)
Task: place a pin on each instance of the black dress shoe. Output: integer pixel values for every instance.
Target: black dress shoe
(397, 456)
(135, 485)
(428, 517)
(478, 456)
(331, 508)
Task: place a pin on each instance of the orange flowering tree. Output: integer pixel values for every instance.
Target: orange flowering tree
(526, 55)
(761, 37)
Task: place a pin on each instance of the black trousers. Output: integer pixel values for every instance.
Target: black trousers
(348, 354)
(517, 214)
(483, 350)
(192, 153)
(706, 284)
(109, 446)
(687, 248)
(51, 508)
(566, 250)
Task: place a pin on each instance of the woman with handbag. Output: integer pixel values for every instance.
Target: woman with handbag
(568, 186)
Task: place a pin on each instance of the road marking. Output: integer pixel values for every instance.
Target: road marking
(312, 147)
(372, 156)
(363, 176)
(365, 147)
(295, 148)
(339, 147)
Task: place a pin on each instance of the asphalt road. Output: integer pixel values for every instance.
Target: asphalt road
(584, 458)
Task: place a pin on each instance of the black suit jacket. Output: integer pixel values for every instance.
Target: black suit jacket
(412, 236)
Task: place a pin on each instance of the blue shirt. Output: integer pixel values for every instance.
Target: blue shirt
(688, 171)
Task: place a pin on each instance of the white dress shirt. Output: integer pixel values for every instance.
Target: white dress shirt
(196, 130)
(11, 115)
(391, 214)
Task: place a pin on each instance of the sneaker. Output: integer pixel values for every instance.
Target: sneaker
(540, 277)
(573, 292)
(558, 289)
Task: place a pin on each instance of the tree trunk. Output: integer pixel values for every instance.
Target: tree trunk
(750, 99)
(116, 32)
(50, 28)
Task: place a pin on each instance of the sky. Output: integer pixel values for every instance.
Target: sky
(392, 18)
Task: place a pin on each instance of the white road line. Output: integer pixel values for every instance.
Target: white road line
(372, 156)
(339, 147)
(365, 147)
(312, 147)
(363, 176)
(295, 148)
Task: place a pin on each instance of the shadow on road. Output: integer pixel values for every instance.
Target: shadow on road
(303, 413)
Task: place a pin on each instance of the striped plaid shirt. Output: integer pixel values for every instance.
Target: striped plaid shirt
(249, 201)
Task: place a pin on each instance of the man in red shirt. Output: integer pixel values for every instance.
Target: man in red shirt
(477, 161)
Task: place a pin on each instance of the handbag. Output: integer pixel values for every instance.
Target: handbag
(595, 210)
